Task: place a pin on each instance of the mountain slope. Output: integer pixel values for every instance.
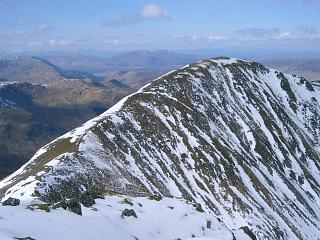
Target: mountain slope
(37, 71)
(236, 137)
(33, 115)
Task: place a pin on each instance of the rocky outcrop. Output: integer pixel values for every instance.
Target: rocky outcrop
(129, 213)
(11, 202)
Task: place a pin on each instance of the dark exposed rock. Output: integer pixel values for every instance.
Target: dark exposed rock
(11, 202)
(71, 205)
(198, 207)
(156, 197)
(209, 224)
(87, 199)
(129, 213)
(24, 238)
(96, 193)
(74, 206)
(127, 201)
(247, 231)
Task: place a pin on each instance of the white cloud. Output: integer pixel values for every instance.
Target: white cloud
(181, 37)
(60, 42)
(195, 38)
(299, 33)
(148, 12)
(35, 44)
(214, 38)
(122, 40)
(308, 32)
(285, 35)
(44, 27)
(258, 33)
(151, 11)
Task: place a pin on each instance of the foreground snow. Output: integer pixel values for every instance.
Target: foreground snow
(164, 219)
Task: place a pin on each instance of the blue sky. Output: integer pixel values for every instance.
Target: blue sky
(290, 25)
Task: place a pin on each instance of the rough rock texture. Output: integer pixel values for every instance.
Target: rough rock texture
(234, 136)
(71, 205)
(11, 202)
(129, 213)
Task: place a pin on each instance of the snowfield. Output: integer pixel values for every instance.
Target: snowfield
(167, 219)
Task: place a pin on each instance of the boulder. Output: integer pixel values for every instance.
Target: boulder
(129, 213)
(87, 199)
(71, 205)
(156, 197)
(198, 207)
(74, 206)
(11, 202)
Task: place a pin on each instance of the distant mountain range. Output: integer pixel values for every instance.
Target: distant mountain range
(134, 68)
(142, 59)
(37, 71)
(308, 68)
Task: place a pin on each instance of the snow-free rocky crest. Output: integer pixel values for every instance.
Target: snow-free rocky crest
(236, 137)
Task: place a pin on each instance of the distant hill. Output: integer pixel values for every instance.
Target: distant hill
(151, 59)
(135, 68)
(307, 68)
(128, 60)
(33, 115)
(79, 62)
(37, 71)
(135, 78)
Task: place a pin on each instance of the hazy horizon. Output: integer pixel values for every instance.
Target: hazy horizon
(249, 27)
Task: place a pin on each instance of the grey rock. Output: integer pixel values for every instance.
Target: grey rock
(87, 199)
(71, 205)
(129, 213)
(11, 202)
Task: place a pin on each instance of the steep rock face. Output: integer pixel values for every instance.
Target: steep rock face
(236, 137)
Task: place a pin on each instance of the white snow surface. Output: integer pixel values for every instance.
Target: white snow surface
(167, 219)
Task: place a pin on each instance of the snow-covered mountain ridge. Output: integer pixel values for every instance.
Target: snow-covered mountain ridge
(236, 137)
